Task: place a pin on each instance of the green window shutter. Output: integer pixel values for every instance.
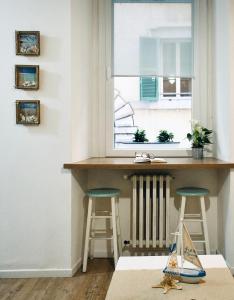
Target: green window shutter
(149, 89)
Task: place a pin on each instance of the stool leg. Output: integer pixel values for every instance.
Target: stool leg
(114, 229)
(182, 210)
(92, 229)
(118, 226)
(205, 229)
(86, 249)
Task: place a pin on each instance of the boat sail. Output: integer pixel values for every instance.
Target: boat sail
(188, 253)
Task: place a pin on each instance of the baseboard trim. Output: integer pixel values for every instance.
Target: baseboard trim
(32, 273)
(76, 266)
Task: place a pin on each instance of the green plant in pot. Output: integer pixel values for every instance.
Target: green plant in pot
(165, 136)
(199, 136)
(140, 136)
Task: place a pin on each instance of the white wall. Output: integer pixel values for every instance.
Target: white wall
(81, 96)
(37, 196)
(224, 122)
(222, 78)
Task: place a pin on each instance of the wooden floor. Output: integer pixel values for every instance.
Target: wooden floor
(91, 285)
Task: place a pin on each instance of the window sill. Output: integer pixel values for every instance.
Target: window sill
(147, 145)
(159, 150)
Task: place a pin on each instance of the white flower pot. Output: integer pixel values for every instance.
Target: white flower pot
(197, 153)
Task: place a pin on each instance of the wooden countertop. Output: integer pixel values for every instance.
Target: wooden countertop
(123, 163)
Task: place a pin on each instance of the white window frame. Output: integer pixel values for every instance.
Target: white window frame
(202, 93)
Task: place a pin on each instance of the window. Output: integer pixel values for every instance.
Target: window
(177, 87)
(185, 87)
(152, 72)
(169, 87)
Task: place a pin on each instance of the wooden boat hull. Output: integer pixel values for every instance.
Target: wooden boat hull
(186, 275)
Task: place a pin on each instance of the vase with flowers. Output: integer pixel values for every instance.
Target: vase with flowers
(199, 137)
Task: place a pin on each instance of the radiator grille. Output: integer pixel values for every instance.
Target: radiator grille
(150, 210)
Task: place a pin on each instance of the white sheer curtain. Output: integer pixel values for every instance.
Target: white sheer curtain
(152, 38)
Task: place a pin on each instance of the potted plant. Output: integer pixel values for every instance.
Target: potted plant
(200, 136)
(140, 136)
(165, 136)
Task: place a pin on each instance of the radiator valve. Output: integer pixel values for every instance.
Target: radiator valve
(126, 242)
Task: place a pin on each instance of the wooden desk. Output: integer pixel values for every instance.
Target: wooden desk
(159, 262)
(135, 276)
(110, 171)
(122, 163)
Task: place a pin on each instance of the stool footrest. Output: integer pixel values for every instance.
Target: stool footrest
(200, 251)
(192, 215)
(193, 220)
(103, 212)
(101, 217)
(196, 233)
(194, 241)
(101, 238)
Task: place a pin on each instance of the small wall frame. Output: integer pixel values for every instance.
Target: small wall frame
(27, 77)
(27, 43)
(28, 112)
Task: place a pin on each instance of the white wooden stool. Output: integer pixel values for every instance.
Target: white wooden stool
(113, 195)
(195, 192)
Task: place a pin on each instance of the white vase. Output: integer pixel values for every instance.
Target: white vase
(197, 153)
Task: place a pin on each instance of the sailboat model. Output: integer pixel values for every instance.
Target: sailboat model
(188, 253)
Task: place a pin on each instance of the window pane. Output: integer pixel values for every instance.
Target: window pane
(186, 87)
(152, 61)
(169, 87)
(131, 113)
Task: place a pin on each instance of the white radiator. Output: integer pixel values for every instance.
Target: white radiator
(150, 210)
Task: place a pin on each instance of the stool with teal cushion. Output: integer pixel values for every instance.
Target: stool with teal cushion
(195, 192)
(94, 194)
(103, 192)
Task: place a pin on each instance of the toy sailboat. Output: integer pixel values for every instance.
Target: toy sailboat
(188, 253)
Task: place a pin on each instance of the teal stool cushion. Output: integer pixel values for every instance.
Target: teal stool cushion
(103, 192)
(192, 191)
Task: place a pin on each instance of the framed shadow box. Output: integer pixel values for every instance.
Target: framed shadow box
(28, 112)
(27, 77)
(27, 43)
